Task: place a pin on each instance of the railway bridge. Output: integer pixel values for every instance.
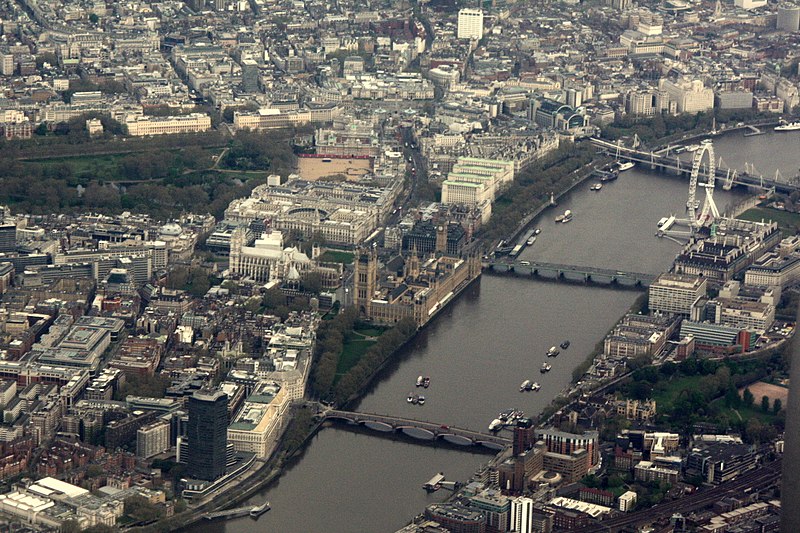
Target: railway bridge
(727, 176)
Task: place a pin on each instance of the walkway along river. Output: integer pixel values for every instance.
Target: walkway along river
(479, 350)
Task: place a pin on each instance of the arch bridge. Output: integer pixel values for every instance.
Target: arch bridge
(418, 429)
(573, 273)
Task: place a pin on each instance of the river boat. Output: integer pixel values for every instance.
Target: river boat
(791, 126)
(537, 231)
(426, 382)
(627, 165)
(530, 241)
(535, 387)
(410, 398)
(526, 385)
(496, 425)
(419, 381)
(596, 187)
(567, 216)
(421, 399)
(255, 512)
(560, 218)
(565, 345)
(610, 176)
(552, 352)
(545, 368)
(415, 399)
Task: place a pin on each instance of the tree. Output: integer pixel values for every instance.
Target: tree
(765, 403)
(141, 510)
(777, 405)
(748, 397)
(93, 18)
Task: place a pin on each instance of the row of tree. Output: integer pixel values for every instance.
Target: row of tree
(533, 187)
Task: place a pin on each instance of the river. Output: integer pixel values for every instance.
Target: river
(479, 350)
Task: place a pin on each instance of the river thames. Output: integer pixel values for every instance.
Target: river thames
(479, 350)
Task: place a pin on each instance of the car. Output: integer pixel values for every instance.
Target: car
(444, 427)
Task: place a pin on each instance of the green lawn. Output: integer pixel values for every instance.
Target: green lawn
(335, 256)
(787, 222)
(665, 392)
(352, 352)
(368, 331)
(108, 166)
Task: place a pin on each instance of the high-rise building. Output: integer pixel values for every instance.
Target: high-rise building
(470, 24)
(524, 435)
(8, 237)
(207, 434)
(790, 492)
(522, 515)
(152, 439)
(249, 75)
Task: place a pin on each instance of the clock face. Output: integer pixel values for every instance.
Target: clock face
(441, 228)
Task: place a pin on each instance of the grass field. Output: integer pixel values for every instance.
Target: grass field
(368, 331)
(108, 166)
(335, 256)
(787, 222)
(666, 392)
(352, 351)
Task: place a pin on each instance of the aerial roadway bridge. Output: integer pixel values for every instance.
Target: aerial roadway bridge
(668, 163)
(418, 429)
(572, 273)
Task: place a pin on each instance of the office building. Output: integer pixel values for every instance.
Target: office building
(690, 96)
(207, 434)
(249, 75)
(788, 17)
(676, 294)
(470, 24)
(8, 237)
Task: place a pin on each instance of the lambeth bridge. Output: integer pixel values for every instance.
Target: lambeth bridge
(418, 429)
(573, 273)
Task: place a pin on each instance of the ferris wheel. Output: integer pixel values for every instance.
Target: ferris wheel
(709, 212)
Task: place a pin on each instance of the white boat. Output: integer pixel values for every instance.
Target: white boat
(410, 398)
(662, 221)
(545, 368)
(530, 241)
(791, 126)
(496, 425)
(567, 216)
(537, 231)
(596, 187)
(552, 352)
(419, 381)
(526, 385)
(421, 400)
(535, 387)
(560, 218)
(627, 165)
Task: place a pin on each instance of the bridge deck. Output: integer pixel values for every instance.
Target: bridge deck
(586, 270)
(437, 429)
(674, 163)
